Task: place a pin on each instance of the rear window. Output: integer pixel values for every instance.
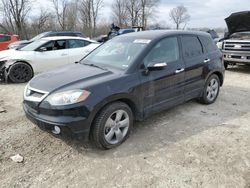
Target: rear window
(208, 44)
(5, 38)
(191, 46)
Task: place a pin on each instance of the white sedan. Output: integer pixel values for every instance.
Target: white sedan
(42, 55)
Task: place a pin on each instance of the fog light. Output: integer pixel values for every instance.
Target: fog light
(56, 130)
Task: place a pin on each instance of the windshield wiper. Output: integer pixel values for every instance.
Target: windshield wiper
(94, 65)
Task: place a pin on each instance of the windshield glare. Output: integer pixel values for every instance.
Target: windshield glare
(116, 53)
(34, 45)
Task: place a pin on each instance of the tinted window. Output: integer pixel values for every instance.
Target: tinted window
(191, 46)
(5, 38)
(208, 44)
(167, 50)
(78, 43)
(55, 45)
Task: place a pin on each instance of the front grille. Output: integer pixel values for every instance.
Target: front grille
(34, 95)
(237, 46)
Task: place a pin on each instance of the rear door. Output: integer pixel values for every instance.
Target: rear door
(164, 88)
(195, 62)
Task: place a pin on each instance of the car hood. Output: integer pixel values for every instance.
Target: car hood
(19, 42)
(68, 76)
(15, 55)
(238, 22)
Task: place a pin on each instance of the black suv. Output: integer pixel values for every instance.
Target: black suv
(20, 44)
(127, 78)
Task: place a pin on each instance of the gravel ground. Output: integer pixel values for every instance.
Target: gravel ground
(191, 145)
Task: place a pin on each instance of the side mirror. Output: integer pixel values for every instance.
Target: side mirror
(42, 49)
(154, 66)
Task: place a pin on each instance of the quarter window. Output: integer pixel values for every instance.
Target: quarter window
(167, 50)
(208, 43)
(191, 46)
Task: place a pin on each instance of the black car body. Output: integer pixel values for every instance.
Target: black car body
(20, 44)
(172, 67)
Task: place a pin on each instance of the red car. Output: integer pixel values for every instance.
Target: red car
(5, 40)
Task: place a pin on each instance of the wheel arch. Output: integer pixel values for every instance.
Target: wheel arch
(219, 74)
(22, 61)
(138, 115)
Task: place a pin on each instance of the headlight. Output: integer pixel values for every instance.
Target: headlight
(67, 97)
(220, 45)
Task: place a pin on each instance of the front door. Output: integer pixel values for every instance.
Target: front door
(51, 55)
(164, 88)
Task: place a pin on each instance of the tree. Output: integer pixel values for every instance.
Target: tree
(120, 13)
(147, 10)
(133, 12)
(89, 11)
(40, 23)
(15, 13)
(60, 7)
(179, 15)
(134, 9)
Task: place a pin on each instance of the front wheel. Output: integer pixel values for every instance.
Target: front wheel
(20, 72)
(211, 90)
(112, 126)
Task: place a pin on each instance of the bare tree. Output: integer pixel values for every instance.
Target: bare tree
(89, 11)
(137, 12)
(60, 7)
(120, 13)
(147, 7)
(134, 11)
(40, 23)
(15, 13)
(96, 7)
(179, 15)
(71, 16)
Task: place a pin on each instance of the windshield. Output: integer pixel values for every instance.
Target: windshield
(34, 45)
(39, 36)
(116, 53)
(241, 35)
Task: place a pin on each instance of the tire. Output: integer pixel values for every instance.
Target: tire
(107, 130)
(20, 72)
(211, 90)
(226, 65)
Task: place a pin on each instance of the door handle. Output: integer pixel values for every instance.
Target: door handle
(64, 54)
(206, 60)
(179, 70)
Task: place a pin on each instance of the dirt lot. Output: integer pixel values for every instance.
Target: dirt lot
(192, 145)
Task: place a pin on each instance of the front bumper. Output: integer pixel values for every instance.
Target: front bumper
(75, 127)
(2, 72)
(237, 57)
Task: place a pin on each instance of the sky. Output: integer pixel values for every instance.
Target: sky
(208, 13)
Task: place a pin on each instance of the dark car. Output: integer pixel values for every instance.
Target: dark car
(127, 78)
(20, 44)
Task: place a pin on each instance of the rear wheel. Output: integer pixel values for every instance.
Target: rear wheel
(112, 126)
(20, 72)
(211, 90)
